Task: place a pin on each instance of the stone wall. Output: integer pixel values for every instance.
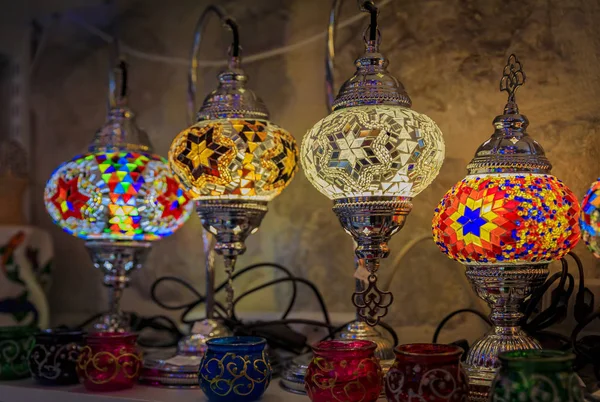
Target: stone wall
(448, 53)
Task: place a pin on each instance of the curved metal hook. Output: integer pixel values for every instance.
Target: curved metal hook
(330, 55)
(366, 6)
(193, 71)
(117, 65)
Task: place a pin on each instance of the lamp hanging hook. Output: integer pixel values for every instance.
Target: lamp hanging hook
(117, 77)
(234, 52)
(372, 39)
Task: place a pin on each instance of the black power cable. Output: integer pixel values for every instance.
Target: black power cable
(231, 24)
(373, 11)
(479, 314)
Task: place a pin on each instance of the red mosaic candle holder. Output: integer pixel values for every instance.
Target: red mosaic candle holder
(344, 371)
(109, 361)
(426, 372)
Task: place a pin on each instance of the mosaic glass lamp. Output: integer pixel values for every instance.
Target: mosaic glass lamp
(371, 156)
(233, 161)
(506, 221)
(590, 219)
(119, 197)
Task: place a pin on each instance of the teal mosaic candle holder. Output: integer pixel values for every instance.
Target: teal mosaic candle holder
(15, 345)
(536, 375)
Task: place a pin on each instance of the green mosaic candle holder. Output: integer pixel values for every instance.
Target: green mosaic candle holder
(15, 345)
(536, 375)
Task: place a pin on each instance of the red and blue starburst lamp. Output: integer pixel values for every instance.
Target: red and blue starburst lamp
(119, 197)
(506, 221)
(590, 219)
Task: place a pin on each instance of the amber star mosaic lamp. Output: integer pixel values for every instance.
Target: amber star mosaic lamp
(233, 161)
(118, 197)
(506, 221)
(372, 155)
(590, 219)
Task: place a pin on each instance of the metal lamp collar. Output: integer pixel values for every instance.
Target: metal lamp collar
(232, 99)
(372, 84)
(510, 149)
(120, 132)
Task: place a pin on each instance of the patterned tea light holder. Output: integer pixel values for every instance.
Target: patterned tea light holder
(235, 369)
(110, 361)
(590, 219)
(119, 197)
(536, 375)
(344, 370)
(233, 161)
(371, 156)
(53, 359)
(506, 221)
(15, 345)
(427, 372)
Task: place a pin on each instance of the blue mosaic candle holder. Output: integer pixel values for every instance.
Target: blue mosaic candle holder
(235, 368)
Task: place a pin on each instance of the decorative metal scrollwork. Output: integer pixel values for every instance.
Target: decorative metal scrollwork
(372, 303)
(513, 77)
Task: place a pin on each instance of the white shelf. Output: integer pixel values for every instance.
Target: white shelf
(29, 391)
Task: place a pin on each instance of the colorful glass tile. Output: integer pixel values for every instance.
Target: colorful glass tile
(234, 159)
(507, 218)
(116, 195)
(373, 151)
(590, 218)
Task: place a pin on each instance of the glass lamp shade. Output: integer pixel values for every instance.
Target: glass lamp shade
(116, 195)
(236, 158)
(373, 150)
(590, 218)
(507, 219)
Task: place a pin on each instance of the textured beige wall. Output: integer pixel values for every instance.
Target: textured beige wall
(448, 53)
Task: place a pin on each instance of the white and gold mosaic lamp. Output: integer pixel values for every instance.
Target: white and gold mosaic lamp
(372, 155)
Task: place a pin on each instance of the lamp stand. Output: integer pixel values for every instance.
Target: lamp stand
(504, 288)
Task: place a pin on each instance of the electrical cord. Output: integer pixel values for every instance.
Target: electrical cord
(437, 331)
(558, 309)
(586, 349)
(372, 9)
(181, 61)
(280, 268)
(234, 322)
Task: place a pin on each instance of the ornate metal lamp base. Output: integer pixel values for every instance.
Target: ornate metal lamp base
(361, 330)
(371, 221)
(116, 259)
(231, 221)
(195, 343)
(504, 288)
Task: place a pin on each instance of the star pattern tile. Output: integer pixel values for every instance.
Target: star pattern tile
(507, 219)
(242, 158)
(373, 150)
(117, 196)
(67, 199)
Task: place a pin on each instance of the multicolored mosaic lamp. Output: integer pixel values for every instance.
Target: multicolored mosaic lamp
(371, 156)
(590, 219)
(119, 197)
(233, 161)
(506, 221)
